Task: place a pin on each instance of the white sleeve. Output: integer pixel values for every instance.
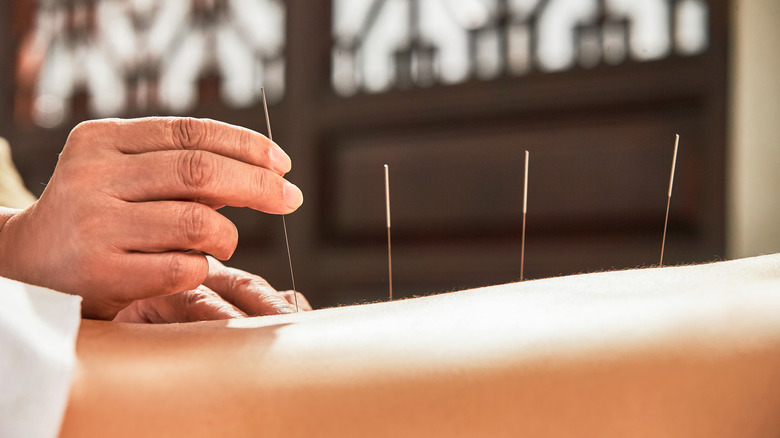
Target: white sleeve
(38, 329)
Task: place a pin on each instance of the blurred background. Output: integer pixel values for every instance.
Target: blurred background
(449, 94)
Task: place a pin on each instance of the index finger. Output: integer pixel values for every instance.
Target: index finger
(137, 136)
(250, 293)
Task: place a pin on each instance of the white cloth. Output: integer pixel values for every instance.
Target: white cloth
(38, 329)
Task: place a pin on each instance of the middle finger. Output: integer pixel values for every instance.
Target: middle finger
(207, 178)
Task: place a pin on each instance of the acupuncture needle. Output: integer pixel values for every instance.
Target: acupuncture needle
(389, 252)
(284, 222)
(669, 198)
(525, 211)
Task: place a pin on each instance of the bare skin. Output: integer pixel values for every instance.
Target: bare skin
(672, 352)
(137, 199)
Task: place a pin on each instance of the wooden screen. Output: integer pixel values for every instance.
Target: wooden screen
(451, 115)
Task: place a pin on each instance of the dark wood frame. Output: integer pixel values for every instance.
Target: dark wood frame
(338, 263)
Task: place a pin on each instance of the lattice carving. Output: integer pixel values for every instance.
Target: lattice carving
(383, 44)
(153, 56)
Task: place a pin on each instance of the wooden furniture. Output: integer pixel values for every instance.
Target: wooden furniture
(600, 138)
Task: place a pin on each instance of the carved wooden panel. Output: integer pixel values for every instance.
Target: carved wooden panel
(595, 89)
(604, 174)
(382, 44)
(129, 57)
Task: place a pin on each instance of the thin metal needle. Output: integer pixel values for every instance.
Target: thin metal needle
(289, 259)
(389, 252)
(525, 210)
(669, 198)
(284, 222)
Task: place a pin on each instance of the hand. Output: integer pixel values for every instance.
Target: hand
(227, 293)
(130, 199)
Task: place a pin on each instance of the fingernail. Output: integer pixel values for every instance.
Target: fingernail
(237, 315)
(284, 309)
(280, 161)
(293, 196)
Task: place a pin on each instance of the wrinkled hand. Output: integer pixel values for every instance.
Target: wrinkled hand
(130, 200)
(227, 293)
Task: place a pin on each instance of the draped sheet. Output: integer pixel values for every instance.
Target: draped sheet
(38, 329)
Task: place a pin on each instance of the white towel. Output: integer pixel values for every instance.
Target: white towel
(38, 329)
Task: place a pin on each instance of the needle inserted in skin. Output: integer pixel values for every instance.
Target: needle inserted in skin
(284, 222)
(389, 252)
(669, 198)
(525, 210)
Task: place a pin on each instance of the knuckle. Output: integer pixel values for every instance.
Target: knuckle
(200, 302)
(194, 224)
(188, 132)
(177, 273)
(88, 136)
(243, 281)
(196, 169)
(86, 126)
(264, 184)
(244, 143)
(180, 274)
(82, 132)
(198, 295)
